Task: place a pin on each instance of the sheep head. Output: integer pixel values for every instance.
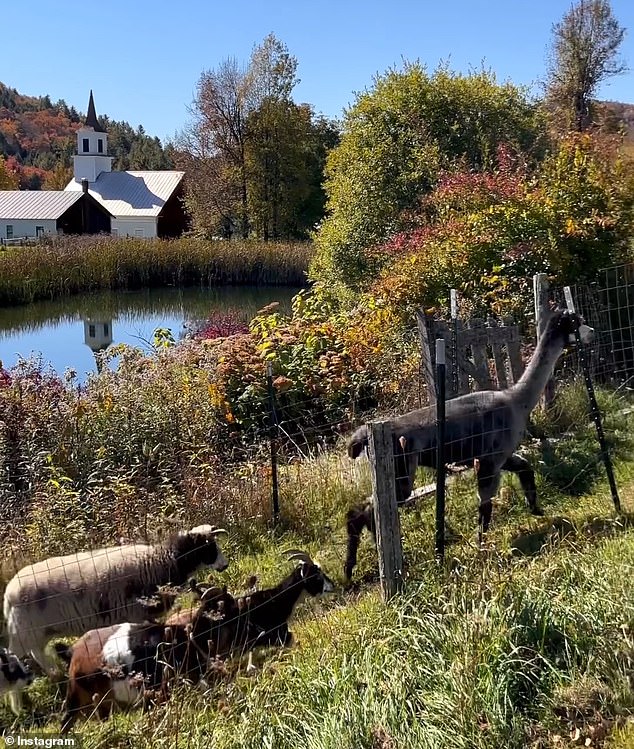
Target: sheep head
(201, 541)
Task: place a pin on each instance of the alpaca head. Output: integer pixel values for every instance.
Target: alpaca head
(564, 325)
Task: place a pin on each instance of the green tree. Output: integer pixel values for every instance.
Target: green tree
(286, 151)
(396, 139)
(584, 53)
(254, 158)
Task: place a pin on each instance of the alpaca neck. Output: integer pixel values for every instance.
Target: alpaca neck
(529, 387)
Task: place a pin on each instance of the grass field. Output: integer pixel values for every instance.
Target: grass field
(529, 643)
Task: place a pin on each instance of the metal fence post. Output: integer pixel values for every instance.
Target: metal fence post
(440, 449)
(386, 519)
(273, 429)
(594, 407)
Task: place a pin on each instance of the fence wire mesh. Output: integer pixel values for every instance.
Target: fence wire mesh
(318, 483)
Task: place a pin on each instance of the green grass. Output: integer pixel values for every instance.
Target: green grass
(498, 649)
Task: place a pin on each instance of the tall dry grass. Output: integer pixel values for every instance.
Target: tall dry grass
(68, 265)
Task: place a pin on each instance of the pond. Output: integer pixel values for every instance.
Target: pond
(64, 332)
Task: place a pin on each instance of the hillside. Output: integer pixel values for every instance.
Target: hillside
(36, 136)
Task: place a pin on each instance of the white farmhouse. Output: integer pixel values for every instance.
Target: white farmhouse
(33, 213)
(142, 203)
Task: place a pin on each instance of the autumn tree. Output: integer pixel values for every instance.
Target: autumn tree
(58, 178)
(397, 139)
(211, 149)
(584, 53)
(9, 179)
(251, 153)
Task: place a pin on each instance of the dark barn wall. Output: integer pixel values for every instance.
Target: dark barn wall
(86, 216)
(173, 219)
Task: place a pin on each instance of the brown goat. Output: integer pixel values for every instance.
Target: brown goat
(132, 663)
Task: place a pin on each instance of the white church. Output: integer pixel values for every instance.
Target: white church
(97, 199)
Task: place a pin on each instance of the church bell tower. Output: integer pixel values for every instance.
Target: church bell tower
(92, 157)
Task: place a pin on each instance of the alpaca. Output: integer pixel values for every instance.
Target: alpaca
(486, 425)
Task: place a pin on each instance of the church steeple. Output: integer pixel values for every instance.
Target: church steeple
(92, 157)
(91, 117)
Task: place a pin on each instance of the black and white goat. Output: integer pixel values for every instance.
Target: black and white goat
(15, 676)
(69, 595)
(486, 426)
(260, 618)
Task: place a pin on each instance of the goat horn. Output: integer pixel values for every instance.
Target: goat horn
(217, 531)
(293, 554)
(211, 592)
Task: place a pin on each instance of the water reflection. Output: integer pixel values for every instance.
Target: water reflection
(67, 333)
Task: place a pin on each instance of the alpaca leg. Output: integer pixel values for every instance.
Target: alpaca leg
(15, 701)
(520, 466)
(358, 519)
(488, 482)
(46, 663)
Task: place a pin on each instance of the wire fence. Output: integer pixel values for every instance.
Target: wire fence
(267, 476)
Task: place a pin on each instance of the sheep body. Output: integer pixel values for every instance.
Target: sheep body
(111, 667)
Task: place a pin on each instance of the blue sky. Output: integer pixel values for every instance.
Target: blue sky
(142, 59)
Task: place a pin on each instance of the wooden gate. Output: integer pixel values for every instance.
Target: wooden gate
(480, 355)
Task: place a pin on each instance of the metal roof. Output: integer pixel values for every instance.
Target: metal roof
(35, 204)
(132, 194)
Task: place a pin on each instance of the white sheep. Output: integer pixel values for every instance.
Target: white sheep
(69, 595)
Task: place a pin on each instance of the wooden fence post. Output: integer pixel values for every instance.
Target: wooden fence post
(386, 519)
(540, 295)
(427, 364)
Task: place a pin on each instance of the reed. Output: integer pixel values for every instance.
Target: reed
(69, 265)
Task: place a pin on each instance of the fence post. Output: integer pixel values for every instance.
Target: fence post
(426, 356)
(440, 449)
(542, 310)
(273, 425)
(386, 519)
(455, 385)
(594, 407)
